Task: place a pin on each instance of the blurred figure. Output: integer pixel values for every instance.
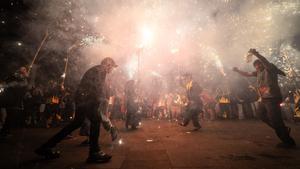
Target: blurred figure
(194, 103)
(89, 96)
(269, 107)
(13, 91)
(209, 105)
(131, 105)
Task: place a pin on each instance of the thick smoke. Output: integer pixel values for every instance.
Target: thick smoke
(166, 35)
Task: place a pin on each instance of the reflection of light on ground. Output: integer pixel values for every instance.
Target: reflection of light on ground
(149, 140)
(120, 142)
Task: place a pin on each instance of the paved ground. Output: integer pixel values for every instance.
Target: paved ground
(163, 145)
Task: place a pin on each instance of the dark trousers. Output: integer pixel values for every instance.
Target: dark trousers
(14, 118)
(87, 110)
(270, 112)
(192, 114)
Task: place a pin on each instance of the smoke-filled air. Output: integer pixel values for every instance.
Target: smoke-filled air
(166, 38)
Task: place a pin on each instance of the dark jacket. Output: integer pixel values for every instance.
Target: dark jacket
(91, 87)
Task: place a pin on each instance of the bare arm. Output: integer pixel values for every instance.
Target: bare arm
(243, 73)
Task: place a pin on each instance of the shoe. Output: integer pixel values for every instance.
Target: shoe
(181, 124)
(48, 153)
(286, 145)
(113, 133)
(196, 128)
(99, 157)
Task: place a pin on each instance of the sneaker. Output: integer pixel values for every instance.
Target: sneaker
(99, 157)
(113, 133)
(48, 153)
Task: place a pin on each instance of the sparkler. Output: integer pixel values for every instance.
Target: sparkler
(38, 50)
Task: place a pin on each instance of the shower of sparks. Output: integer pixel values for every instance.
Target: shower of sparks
(92, 40)
(132, 67)
(147, 37)
(203, 37)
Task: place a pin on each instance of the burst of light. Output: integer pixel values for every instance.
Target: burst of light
(19, 44)
(3, 22)
(149, 140)
(147, 37)
(174, 50)
(140, 123)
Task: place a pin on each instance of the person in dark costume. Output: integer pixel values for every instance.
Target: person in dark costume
(14, 90)
(194, 104)
(89, 96)
(131, 105)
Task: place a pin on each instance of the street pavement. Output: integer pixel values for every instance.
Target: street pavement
(160, 144)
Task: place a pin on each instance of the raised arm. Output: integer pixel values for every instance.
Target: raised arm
(266, 63)
(263, 60)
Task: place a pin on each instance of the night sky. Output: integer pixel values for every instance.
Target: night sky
(18, 47)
